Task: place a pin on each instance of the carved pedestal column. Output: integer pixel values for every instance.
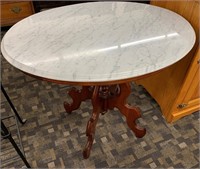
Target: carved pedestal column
(105, 98)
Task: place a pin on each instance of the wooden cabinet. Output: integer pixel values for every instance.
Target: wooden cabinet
(41, 5)
(14, 11)
(176, 88)
(188, 100)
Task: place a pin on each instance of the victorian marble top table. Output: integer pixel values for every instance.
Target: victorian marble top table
(101, 46)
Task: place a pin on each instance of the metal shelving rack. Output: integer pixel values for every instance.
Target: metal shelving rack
(10, 123)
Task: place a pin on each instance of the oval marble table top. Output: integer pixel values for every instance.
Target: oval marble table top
(98, 41)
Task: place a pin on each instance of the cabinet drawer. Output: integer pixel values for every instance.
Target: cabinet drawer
(14, 11)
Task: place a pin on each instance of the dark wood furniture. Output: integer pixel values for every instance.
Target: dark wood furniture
(41, 5)
(14, 11)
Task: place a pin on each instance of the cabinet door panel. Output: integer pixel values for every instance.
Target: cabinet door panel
(188, 100)
(193, 91)
(197, 92)
(189, 94)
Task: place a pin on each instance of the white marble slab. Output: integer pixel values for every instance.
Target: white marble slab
(98, 41)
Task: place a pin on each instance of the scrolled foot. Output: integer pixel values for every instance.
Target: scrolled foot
(133, 115)
(90, 130)
(77, 97)
(130, 112)
(68, 107)
(140, 132)
(87, 149)
(91, 125)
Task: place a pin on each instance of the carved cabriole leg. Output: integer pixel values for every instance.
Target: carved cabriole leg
(77, 97)
(130, 112)
(91, 125)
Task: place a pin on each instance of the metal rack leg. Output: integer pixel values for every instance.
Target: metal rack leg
(22, 121)
(7, 135)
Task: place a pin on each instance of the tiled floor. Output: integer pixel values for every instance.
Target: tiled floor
(54, 139)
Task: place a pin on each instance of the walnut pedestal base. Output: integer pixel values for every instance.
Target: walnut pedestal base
(105, 98)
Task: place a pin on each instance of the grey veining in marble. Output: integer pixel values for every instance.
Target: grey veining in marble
(98, 41)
